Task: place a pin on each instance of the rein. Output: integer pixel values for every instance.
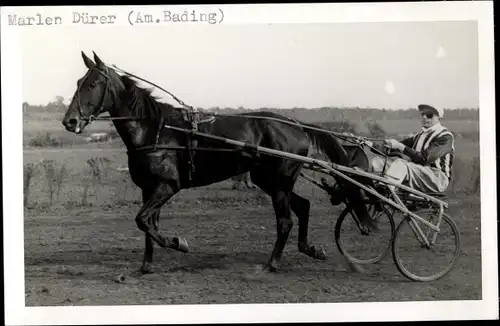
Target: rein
(193, 118)
(153, 84)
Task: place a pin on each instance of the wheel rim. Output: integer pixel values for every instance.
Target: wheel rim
(364, 249)
(422, 264)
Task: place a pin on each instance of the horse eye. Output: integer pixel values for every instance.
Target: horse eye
(92, 85)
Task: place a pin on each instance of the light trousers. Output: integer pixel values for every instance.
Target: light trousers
(422, 178)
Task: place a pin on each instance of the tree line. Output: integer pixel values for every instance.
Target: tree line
(311, 115)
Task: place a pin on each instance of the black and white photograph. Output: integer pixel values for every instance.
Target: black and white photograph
(290, 162)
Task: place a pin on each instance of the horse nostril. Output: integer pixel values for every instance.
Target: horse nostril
(72, 122)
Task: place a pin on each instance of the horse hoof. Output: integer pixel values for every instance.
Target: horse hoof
(182, 244)
(320, 254)
(270, 268)
(313, 252)
(146, 269)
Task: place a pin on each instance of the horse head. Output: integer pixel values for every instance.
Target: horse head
(94, 95)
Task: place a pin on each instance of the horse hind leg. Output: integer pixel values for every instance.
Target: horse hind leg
(280, 196)
(301, 207)
(284, 224)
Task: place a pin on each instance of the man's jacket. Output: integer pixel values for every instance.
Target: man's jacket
(433, 147)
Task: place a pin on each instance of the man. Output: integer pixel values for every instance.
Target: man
(431, 154)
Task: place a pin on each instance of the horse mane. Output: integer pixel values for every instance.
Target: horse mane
(141, 102)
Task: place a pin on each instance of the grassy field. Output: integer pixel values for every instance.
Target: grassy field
(82, 246)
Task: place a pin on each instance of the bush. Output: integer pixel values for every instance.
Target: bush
(340, 126)
(466, 176)
(375, 129)
(45, 140)
(54, 174)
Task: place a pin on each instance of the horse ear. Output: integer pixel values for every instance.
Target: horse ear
(88, 63)
(98, 61)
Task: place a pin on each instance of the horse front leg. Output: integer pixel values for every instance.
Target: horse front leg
(147, 221)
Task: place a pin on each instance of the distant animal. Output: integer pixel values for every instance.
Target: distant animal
(242, 180)
(97, 137)
(141, 120)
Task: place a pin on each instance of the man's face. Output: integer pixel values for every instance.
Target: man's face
(428, 119)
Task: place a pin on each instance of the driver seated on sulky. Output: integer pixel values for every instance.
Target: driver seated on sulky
(431, 153)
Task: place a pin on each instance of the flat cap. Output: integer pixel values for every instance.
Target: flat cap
(425, 107)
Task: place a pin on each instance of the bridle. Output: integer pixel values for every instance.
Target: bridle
(191, 111)
(94, 116)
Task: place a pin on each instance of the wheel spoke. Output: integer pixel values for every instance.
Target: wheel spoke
(426, 262)
(364, 247)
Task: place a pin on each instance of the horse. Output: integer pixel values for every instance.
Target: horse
(160, 172)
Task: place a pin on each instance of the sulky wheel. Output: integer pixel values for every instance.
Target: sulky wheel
(362, 247)
(419, 262)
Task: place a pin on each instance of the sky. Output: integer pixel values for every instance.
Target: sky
(379, 65)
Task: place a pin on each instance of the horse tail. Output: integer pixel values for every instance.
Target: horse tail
(328, 144)
(331, 146)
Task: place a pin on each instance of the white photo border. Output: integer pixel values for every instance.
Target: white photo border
(12, 135)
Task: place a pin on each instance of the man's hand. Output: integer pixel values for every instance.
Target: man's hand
(368, 143)
(392, 143)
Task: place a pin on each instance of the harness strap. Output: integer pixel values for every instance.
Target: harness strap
(191, 143)
(158, 132)
(192, 116)
(153, 84)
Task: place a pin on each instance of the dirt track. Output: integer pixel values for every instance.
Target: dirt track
(75, 255)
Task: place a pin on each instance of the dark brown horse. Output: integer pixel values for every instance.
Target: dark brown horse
(161, 173)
